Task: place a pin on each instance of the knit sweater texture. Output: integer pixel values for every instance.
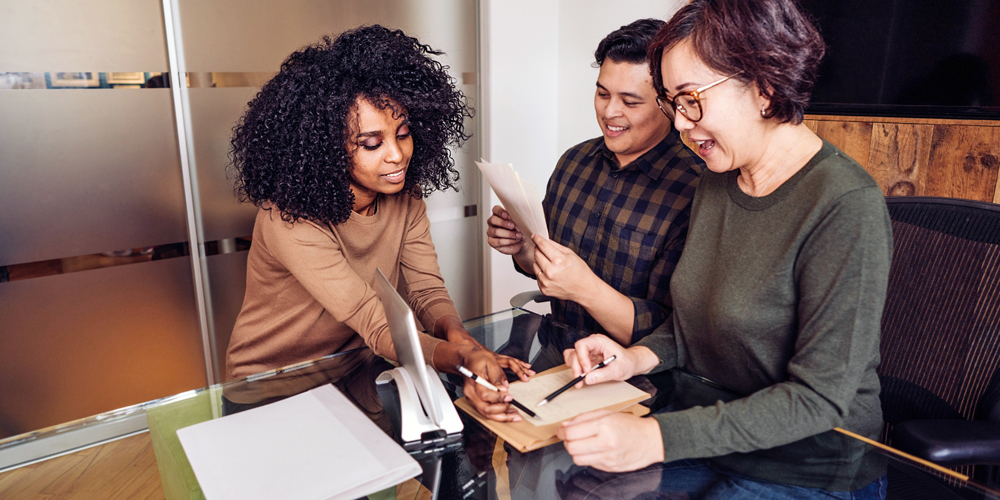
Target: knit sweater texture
(779, 299)
(310, 286)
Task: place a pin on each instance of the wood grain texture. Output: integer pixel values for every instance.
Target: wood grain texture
(898, 157)
(915, 121)
(963, 162)
(122, 469)
(853, 138)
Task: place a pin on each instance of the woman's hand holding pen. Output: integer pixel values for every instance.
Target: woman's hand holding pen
(589, 351)
(450, 328)
(606, 440)
(487, 365)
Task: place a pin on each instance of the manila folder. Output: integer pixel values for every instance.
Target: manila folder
(534, 433)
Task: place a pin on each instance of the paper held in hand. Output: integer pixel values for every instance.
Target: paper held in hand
(519, 197)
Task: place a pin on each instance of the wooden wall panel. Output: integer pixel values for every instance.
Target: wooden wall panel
(921, 156)
(964, 162)
(898, 157)
(852, 137)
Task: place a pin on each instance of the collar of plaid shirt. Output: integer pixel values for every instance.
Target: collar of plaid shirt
(653, 162)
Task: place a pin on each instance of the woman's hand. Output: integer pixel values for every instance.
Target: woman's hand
(562, 273)
(502, 234)
(591, 350)
(493, 405)
(612, 441)
(455, 332)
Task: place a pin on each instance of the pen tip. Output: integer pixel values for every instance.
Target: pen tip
(542, 403)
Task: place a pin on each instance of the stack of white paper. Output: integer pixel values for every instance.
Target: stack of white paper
(316, 445)
(519, 197)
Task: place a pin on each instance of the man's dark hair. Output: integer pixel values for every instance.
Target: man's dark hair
(288, 151)
(630, 43)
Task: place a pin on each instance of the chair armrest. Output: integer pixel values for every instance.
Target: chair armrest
(950, 442)
(523, 298)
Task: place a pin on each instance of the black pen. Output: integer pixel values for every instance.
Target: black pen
(479, 380)
(575, 381)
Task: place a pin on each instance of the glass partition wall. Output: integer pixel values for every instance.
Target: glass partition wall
(122, 247)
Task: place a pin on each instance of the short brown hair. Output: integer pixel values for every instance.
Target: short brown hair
(771, 43)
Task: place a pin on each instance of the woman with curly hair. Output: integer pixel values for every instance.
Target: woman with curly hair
(337, 151)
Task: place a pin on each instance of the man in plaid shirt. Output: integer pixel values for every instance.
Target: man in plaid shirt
(617, 206)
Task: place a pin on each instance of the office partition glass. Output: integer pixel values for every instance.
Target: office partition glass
(122, 247)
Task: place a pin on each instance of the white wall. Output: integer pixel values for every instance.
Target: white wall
(538, 94)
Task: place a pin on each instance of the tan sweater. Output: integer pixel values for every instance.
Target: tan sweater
(309, 287)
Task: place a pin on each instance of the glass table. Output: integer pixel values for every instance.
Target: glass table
(477, 465)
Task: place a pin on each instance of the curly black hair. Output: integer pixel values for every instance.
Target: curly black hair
(289, 148)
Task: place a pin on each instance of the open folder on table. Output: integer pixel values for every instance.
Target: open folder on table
(519, 197)
(316, 445)
(533, 433)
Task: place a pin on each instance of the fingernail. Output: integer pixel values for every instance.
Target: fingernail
(508, 398)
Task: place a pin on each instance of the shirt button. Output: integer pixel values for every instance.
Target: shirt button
(595, 216)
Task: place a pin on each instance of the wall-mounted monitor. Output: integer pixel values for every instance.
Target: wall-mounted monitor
(922, 58)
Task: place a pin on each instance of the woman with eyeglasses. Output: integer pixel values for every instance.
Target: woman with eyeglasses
(774, 337)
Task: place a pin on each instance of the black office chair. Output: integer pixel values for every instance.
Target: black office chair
(940, 369)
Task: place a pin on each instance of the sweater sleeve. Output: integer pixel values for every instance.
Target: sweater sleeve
(318, 264)
(663, 343)
(418, 264)
(841, 274)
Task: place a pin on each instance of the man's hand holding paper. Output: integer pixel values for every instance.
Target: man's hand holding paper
(502, 233)
(562, 274)
(520, 200)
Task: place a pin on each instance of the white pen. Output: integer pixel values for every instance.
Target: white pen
(479, 380)
(476, 378)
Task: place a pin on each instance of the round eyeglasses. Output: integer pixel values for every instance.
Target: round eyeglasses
(686, 103)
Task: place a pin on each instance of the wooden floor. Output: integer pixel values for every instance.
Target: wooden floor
(123, 469)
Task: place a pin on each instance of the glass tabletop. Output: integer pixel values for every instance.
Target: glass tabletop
(476, 465)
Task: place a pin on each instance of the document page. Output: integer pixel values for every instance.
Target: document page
(572, 402)
(316, 445)
(519, 197)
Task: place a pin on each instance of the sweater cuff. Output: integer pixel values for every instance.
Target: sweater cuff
(435, 311)
(676, 431)
(428, 344)
(661, 342)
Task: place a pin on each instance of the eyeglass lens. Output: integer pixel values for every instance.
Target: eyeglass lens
(689, 106)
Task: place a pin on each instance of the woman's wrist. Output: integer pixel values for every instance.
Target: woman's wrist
(448, 355)
(642, 359)
(451, 329)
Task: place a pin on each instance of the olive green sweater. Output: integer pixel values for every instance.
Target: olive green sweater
(780, 299)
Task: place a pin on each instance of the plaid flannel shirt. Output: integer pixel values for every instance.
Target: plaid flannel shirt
(627, 224)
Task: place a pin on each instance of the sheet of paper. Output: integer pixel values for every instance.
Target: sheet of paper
(316, 445)
(519, 197)
(570, 403)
